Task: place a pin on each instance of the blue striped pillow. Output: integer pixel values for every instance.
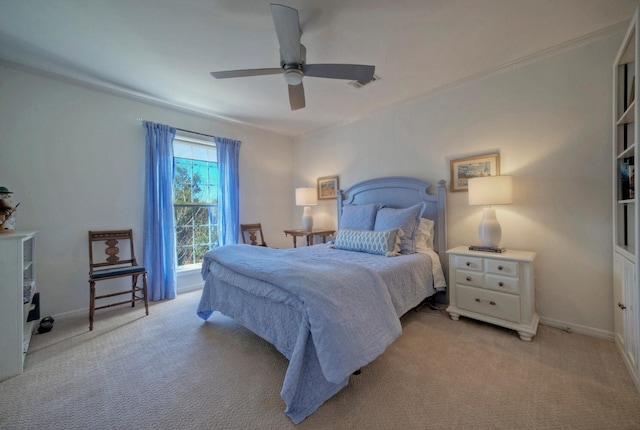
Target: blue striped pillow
(383, 242)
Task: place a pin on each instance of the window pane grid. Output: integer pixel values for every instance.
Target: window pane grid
(195, 209)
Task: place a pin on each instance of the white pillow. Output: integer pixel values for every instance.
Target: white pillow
(424, 237)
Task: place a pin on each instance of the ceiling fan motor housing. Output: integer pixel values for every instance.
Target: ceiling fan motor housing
(293, 73)
(303, 59)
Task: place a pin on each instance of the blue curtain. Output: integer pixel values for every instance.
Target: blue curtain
(228, 151)
(159, 227)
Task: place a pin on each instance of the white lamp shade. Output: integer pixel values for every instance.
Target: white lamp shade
(306, 197)
(490, 190)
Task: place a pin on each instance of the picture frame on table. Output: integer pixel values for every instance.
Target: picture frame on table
(462, 169)
(328, 188)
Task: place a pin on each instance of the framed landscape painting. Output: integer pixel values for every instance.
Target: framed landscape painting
(464, 168)
(328, 188)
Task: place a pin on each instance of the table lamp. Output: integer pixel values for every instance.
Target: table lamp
(306, 197)
(487, 191)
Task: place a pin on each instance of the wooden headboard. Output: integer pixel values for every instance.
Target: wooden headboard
(402, 192)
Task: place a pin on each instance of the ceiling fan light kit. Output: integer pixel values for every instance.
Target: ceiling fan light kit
(293, 76)
(293, 57)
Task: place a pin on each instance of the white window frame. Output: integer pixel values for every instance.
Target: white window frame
(180, 141)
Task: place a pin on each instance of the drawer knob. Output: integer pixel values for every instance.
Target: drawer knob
(468, 263)
(469, 278)
(478, 300)
(500, 268)
(492, 303)
(621, 306)
(501, 284)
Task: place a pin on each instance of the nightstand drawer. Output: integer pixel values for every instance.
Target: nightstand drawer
(505, 284)
(465, 277)
(467, 263)
(490, 303)
(501, 267)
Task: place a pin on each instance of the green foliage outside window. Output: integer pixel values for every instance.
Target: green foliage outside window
(195, 190)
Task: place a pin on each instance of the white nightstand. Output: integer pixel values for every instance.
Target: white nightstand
(494, 287)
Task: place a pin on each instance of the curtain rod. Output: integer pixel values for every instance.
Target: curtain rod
(182, 129)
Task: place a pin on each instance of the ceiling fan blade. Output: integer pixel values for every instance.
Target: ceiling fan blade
(287, 24)
(354, 72)
(245, 73)
(296, 96)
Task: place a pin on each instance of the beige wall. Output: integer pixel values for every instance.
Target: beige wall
(550, 121)
(74, 157)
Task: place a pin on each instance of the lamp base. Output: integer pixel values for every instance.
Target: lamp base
(489, 230)
(307, 219)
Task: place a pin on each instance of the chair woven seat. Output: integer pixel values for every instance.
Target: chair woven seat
(118, 271)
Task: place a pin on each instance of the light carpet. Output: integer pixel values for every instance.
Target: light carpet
(171, 370)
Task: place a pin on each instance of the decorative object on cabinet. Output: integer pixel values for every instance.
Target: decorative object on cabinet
(17, 299)
(328, 188)
(306, 197)
(494, 288)
(118, 262)
(626, 213)
(7, 212)
(487, 191)
(462, 169)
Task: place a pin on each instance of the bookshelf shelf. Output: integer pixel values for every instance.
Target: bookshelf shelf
(627, 152)
(628, 115)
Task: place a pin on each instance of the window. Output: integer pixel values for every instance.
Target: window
(195, 199)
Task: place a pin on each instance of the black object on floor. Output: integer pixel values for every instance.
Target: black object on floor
(46, 324)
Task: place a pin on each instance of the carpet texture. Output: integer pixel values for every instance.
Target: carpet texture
(171, 370)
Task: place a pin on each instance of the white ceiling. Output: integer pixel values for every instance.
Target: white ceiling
(163, 50)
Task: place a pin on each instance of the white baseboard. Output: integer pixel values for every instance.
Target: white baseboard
(85, 311)
(189, 288)
(577, 328)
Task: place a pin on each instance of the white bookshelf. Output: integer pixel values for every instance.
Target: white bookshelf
(17, 270)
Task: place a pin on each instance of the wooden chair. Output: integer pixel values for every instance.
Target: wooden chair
(117, 263)
(249, 232)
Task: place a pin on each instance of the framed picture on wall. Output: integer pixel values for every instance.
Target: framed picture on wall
(464, 168)
(327, 188)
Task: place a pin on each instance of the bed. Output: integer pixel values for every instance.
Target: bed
(331, 309)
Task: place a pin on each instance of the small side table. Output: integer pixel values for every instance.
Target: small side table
(309, 235)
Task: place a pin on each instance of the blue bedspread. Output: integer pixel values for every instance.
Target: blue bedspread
(339, 317)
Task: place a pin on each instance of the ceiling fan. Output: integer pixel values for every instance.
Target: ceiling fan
(292, 60)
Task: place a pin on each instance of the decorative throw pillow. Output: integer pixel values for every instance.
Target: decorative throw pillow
(359, 217)
(424, 237)
(384, 242)
(406, 219)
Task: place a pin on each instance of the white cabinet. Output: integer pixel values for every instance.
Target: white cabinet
(495, 288)
(625, 200)
(625, 297)
(17, 287)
